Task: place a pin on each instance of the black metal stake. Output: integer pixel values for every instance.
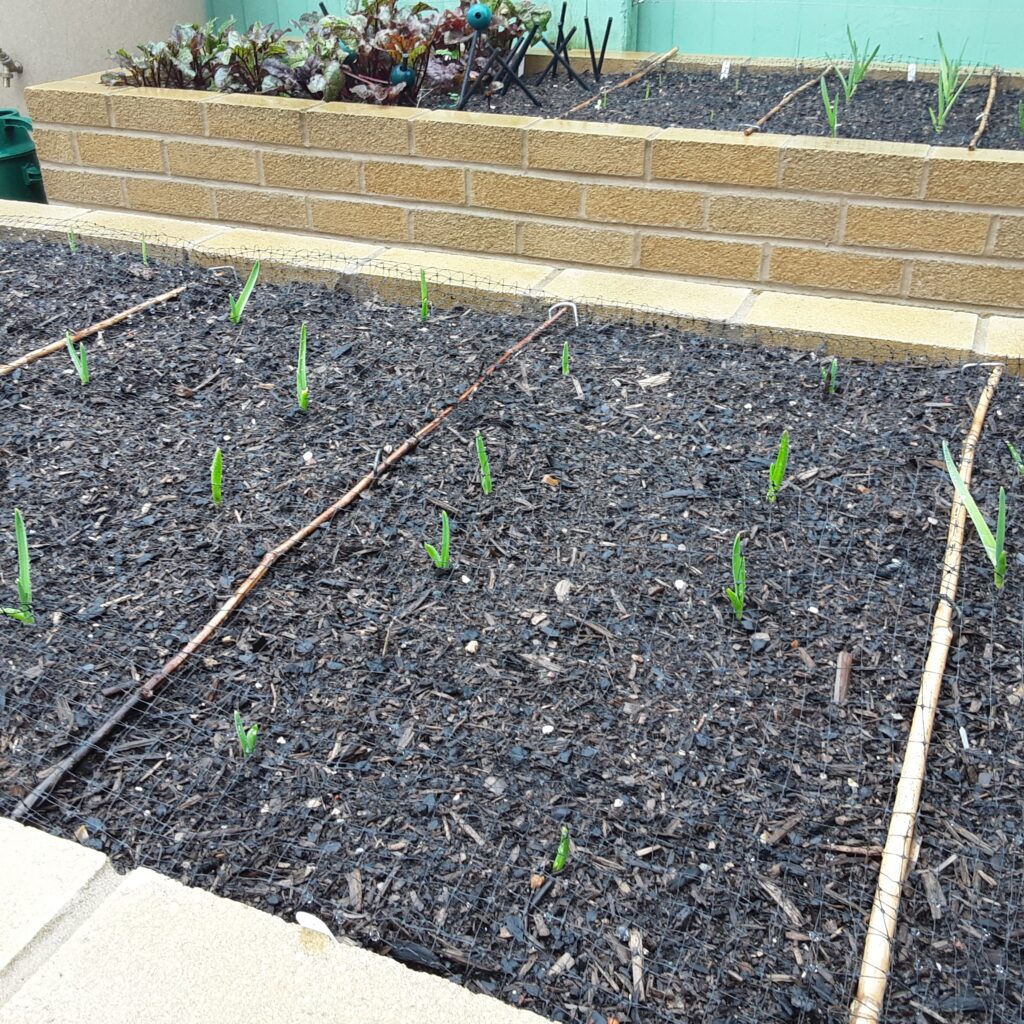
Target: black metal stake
(466, 91)
(516, 57)
(604, 46)
(558, 42)
(590, 46)
(559, 57)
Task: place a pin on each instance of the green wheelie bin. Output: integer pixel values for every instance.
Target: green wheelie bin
(20, 176)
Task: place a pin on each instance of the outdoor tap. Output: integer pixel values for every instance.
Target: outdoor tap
(9, 67)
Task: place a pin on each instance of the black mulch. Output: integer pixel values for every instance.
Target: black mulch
(425, 734)
(896, 111)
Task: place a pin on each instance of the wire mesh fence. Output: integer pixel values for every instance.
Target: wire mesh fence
(424, 734)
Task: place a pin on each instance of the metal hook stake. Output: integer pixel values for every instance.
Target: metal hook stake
(566, 305)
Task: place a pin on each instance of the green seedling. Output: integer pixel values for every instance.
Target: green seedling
(1020, 117)
(216, 476)
(72, 242)
(23, 613)
(238, 305)
(485, 464)
(145, 252)
(247, 735)
(441, 559)
(831, 108)
(1017, 460)
(424, 298)
(737, 594)
(301, 383)
(602, 101)
(948, 85)
(995, 547)
(562, 854)
(777, 470)
(829, 373)
(79, 357)
(647, 91)
(859, 64)
(565, 358)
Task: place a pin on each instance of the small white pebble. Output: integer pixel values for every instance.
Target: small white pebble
(473, 646)
(465, 579)
(307, 458)
(547, 730)
(680, 585)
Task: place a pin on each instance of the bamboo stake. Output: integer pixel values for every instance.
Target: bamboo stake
(787, 99)
(877, 957)
(156, 682)
(635, 77)
(973, 144)
(31, 357)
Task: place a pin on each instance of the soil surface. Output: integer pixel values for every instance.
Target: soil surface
(426, 734)
(895, 111)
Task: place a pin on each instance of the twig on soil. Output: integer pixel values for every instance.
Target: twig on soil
(899, 843)
(635, 77)
(983, 123)
(156, 682)
(57, 346)
(787, 99)
(844, 665)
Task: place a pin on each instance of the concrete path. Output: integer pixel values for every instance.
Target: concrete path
(80, 944)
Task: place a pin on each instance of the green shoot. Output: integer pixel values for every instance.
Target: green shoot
(79, 357)
(1017, 460)
(562, 856)
(994, 546)
(948, 88)
(602, 101)
(859, 65)
(829, 373)
(737, 594)
(72, 241)
(565, 358)
(301, 383)
(238, 305)
(1020, 117)
(23, 613)
(424, 299)
(441, 559)
(647, 92)
(247, 735)
(485, 464)
(216, 476)
(145, 252)
(777, 470)
(831, 108)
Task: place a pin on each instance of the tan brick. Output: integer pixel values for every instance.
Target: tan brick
(68, 103)
(353, 128)
(841, 271)
(1010, 237)
(778, 218)
(958, 176)
(256, 118)
(1005, 337)
(637, 204)
(415, 181)
(261, 206)
(124, 152)
(162, 195)
(213, 163)
(701, 257)
(360, 220)
(923, 230)
(55, 145)
(578, 244)
(719, 158)
(471, 137)
(587, 147)
(87, 188)
(526, 193)
(975, 283)
(853, 165)
(168, 111)
(464, 231)
(311, 173)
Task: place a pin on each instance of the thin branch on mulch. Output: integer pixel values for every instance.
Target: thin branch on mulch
(156, 682)
(56, 346)
(668, 55)
(786, 100)
(983, 124)
(896, 858)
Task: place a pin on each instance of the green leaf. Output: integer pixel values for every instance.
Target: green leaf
(216, 476)
(485, 464)
(984, 532)
(238, 305)
(435, 557)
(1000, 564)
(562, 856)
(301, 383)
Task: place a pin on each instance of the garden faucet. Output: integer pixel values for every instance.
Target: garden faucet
(9, 67)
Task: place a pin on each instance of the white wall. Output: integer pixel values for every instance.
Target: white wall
(57, 39)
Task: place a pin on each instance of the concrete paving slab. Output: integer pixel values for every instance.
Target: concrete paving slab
(1005, 338)
(157, 952)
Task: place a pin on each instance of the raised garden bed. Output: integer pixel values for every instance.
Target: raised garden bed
(425, 734)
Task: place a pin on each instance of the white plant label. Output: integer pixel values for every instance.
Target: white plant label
(911, 72)
(726, 65)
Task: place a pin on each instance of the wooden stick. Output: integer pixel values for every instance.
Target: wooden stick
(156, 682)
(787, 99)
(31, 357)
(635, 77)
(899, 842)
(844, 664)
(973, 144)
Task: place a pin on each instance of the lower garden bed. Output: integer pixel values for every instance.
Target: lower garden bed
(425, 734)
